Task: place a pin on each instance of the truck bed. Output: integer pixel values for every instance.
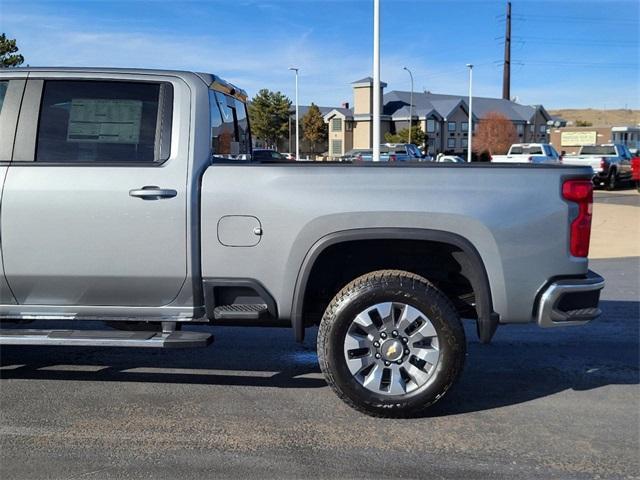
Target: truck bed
(512, 214)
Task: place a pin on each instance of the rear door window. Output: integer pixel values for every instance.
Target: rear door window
(102, 122)
(230, 135)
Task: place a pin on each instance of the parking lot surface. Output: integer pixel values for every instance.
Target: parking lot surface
(560, 403)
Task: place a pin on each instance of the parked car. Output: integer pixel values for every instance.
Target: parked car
(352, 155)
(402, 152)
(449, 159)
(611, 163)
(288, 156)
(405, 151)
(264, 155)
(635, 171)
(145, 224)
(528, 153)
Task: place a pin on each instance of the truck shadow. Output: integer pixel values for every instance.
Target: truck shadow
(524, 363)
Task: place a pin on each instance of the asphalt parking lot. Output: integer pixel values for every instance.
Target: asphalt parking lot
(534, 403)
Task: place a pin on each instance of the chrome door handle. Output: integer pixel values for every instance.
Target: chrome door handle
(151, 192)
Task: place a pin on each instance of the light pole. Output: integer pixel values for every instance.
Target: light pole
(470, 128)
(376, 81)
(410, 103)
(295, 69)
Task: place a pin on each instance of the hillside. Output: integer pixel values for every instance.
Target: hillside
(599, 118)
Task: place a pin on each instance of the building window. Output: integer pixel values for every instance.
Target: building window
(520, 129)
(431, 125)
(451, 126)
(348, 126)
(532, 129)
(336, 124)
(464, 126)
(542, 129)
(451, 143)
(336, 147)
(465, 143)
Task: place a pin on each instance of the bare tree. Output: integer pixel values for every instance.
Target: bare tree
(495, 134)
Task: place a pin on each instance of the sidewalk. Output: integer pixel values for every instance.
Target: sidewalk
(615, 231)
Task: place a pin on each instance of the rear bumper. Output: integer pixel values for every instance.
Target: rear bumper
(571, 301)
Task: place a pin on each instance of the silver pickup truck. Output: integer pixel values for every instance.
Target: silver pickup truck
(611, 163)
(121, 203)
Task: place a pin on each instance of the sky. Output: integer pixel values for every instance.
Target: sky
(565, 53)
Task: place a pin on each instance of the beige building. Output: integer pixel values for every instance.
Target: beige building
(444, 118)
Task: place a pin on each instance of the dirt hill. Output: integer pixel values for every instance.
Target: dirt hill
(599, 118)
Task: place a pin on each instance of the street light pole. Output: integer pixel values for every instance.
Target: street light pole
(376, 81)
(297, 119)
(470, 132)
(410, 103)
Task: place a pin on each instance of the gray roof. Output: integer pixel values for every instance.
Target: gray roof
(367, 81)
(303, 109)
(424, 103)
(364, 80)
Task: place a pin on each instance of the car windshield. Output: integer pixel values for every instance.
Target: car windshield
(598, 150)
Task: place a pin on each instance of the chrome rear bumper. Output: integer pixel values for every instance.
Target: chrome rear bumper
(570, 301)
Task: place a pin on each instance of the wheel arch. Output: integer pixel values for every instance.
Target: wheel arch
(467, 256)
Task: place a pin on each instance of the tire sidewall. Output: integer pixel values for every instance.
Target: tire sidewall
(421, 296)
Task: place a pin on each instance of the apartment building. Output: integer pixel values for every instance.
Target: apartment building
(444, 118)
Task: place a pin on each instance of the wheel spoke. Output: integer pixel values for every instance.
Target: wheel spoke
(418, 376)
(374, 378)
(429, 355)
(364, 322)
(397, 384)
(388, 319)
(356, 365)
(353, 342)
(426, 330)
(408, 316)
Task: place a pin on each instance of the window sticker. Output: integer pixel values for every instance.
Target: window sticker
(104, 120)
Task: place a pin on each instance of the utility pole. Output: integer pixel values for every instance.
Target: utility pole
(297, 119)
(410, 104)
(376, 81)
(506, 75)
(470, 127)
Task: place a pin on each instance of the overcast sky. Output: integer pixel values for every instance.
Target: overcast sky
(565, 53)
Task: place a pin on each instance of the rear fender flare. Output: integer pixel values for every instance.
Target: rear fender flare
(469, 259)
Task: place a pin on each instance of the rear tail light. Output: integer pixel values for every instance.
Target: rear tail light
(604, 163)
(580, 192)
(392, 158)
(358, 158)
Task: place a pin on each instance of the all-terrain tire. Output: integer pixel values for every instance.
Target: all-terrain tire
(390, 286)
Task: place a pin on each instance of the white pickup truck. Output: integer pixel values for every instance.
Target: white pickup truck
(611, 163)
(528, 153)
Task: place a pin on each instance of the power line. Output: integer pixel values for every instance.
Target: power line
(564, 63)
(567, 19)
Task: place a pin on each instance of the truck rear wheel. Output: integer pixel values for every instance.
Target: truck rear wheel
(391, 344)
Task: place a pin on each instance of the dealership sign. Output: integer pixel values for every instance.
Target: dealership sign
(576, 139)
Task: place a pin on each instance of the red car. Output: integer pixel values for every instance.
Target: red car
(635, 171)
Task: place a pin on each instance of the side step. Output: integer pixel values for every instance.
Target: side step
(104, 338)
(253, 311)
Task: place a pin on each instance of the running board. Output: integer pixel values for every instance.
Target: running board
(105, 338)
